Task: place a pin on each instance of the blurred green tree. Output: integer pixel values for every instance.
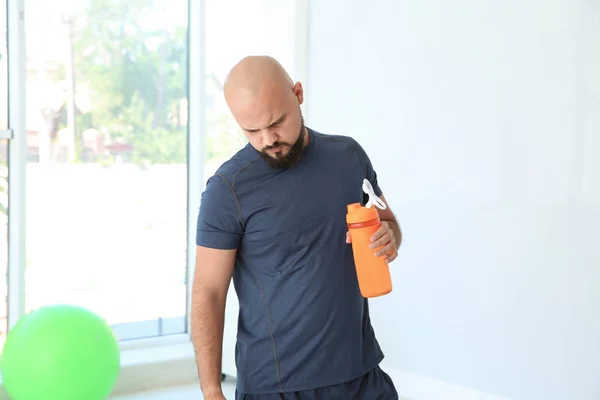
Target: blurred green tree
(135, 69)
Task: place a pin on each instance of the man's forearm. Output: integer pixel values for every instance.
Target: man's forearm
(207, 322)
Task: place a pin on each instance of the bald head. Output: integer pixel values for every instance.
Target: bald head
(255, 74)
(257, 88)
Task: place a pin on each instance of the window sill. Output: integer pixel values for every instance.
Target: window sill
(156, 367)
(152, 368)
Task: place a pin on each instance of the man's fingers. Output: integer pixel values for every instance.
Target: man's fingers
(383, 228)
(391, 257)
(383, 240)
(388, 249)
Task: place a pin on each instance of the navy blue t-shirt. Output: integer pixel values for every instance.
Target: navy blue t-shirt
(303, 323)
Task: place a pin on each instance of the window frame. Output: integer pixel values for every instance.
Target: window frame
(157, 361)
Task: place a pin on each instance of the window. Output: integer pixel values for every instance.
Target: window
(106, 118)
(105, 181)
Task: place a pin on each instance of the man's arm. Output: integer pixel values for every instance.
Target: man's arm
(212, 277)
(388, 215)
(381, 237)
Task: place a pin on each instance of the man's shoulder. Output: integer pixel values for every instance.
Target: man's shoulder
(337, 143)
(335, 140)
(240, 161)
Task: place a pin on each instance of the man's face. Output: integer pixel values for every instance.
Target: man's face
(272, 121)
(281, 155)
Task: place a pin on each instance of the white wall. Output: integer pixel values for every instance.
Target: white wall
(483, 121)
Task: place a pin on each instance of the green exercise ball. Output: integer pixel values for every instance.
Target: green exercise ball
(60, 352)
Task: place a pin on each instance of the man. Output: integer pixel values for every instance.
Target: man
(273, 217)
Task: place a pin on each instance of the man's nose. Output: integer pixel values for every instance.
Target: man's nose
(270, 137)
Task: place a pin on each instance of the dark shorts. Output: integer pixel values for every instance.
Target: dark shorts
(374, 385)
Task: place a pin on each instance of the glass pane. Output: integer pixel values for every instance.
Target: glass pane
(107, 172)
(3, 176)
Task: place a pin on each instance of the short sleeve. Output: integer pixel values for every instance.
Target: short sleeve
(370, 173)
(219, 219)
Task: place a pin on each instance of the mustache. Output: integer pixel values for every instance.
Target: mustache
(275, 145)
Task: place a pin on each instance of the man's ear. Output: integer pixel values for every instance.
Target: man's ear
(299, 92)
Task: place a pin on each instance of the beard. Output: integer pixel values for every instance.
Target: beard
(292, 157)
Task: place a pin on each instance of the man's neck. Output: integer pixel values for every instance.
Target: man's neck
(306, 136)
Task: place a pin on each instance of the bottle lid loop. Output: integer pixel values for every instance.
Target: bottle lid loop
(373, 199)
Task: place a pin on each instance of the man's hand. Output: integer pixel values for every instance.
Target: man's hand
(215, 393)
(385, 238)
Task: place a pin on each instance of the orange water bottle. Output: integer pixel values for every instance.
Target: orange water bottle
(373, 272)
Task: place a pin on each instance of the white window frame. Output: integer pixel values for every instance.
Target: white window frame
(17, 160)
(146, 363)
